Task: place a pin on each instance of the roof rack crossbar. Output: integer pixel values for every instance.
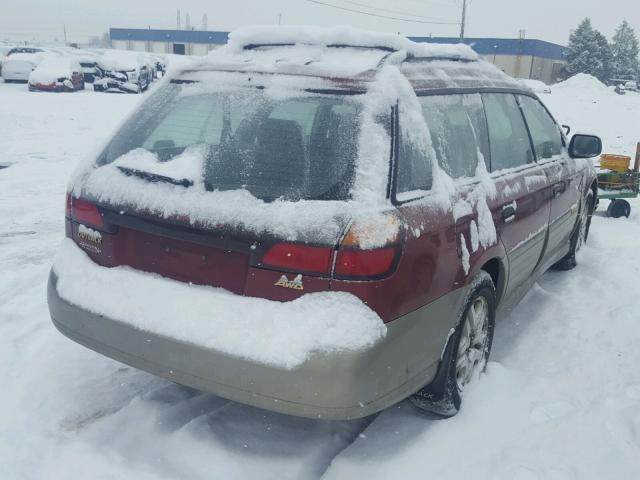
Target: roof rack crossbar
(254, 46)
(435, 58)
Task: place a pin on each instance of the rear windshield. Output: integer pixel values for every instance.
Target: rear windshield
(292, 148)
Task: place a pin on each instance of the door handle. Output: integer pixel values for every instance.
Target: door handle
(508, 214)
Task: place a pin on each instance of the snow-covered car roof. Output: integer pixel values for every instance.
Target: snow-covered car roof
(344, 52)
(85, 56)
(33, 58)
(119, 60)
(53, 68)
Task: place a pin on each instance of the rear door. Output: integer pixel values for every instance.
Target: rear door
(565, 182)
(458, 133)
(522, 187)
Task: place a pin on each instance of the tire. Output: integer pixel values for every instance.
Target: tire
(579, 237)
(619, 208)
(466, 352)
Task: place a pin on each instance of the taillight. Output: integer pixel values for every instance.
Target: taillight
(369, 249)
(81, 211)
(299, 258)
(365, 263)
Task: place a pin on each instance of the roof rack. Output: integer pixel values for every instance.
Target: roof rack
(435, 58)
(255, 46)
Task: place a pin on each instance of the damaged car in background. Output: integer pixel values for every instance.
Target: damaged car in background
(123, 71)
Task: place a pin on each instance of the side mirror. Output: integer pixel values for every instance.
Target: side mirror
(585, 146)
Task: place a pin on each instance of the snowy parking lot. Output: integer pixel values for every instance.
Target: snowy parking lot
(560, 399)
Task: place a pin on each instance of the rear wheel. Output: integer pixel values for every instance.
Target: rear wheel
(466, 352)
(579, 237)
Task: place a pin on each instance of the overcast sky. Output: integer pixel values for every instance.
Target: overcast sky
(544, 19)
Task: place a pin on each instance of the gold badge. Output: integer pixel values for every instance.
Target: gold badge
(295, 284)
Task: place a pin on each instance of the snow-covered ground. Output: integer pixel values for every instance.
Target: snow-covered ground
(560, 400)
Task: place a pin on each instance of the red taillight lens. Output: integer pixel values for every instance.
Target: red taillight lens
(299, 258)
(82, 211)
(364, 263)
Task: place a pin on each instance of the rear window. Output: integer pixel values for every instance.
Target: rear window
(292, 148)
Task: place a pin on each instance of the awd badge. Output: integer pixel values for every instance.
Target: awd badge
(295, 284)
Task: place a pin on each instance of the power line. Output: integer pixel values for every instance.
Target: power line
(371, 7)
(382, 16)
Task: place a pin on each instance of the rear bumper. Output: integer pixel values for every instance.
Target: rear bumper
(38, 87)
(331, 386)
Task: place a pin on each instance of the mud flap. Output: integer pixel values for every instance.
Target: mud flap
(437, 397)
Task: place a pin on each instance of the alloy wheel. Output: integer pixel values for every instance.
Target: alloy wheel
(473, 341)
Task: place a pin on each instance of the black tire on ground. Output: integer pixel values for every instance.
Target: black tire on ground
(443, 396)
(619, 208)
(579, 237)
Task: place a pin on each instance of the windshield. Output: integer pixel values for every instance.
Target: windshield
(294, 148)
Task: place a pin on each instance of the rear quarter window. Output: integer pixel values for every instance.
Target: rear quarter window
(458, 131)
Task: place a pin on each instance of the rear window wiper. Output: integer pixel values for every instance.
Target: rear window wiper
(154, 177)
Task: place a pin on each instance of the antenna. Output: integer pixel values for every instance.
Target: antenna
(464, 19)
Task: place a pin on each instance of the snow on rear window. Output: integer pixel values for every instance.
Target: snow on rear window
(300, 148)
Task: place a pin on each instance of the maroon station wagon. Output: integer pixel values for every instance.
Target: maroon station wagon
(481, 192)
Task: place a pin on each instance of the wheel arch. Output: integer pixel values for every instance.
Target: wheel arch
(497, 271)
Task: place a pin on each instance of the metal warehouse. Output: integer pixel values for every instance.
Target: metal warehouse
(521, 58)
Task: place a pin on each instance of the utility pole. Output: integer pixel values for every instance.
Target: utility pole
(464, 19)
(280, 19)
(205, 24)
(178, 20)
(64, 29)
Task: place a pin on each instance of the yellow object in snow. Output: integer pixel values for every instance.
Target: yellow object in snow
(617, 163)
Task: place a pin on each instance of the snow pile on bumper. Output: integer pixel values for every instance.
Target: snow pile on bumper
(280, 334)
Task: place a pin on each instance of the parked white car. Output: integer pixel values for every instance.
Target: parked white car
(4, 49)
(18, 66)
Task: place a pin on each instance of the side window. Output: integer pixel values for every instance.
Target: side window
(414, 165)
(508, 137)
(547, 139)
(458, 131)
